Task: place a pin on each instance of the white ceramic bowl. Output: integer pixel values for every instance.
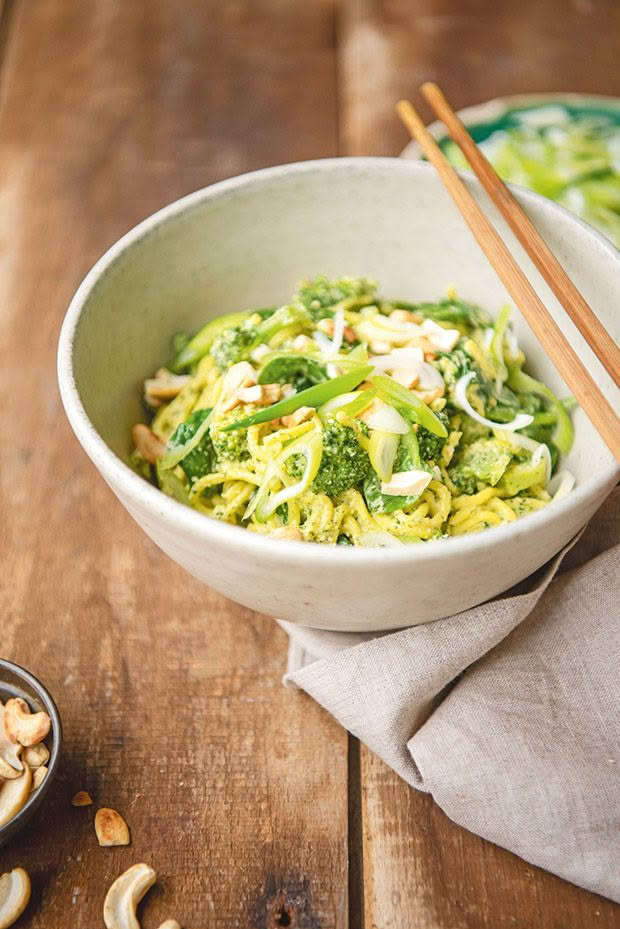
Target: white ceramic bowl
(245, 242)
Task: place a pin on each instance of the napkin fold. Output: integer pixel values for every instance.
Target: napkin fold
(508, 714)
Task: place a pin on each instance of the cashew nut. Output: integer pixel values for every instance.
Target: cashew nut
(82, 798)
(163, 387)
(23, 726)
(287, 532)
(13, 795)
(170, 924)
(10, 765)
(38, 776)
(302, 415)
(14, 896)
(36, 755)
(260, 394)
(111, 828)
(148, 444)
(123, 897)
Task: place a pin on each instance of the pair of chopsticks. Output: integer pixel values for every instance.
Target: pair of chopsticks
(540, 320)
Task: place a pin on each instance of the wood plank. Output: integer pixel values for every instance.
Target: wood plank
(233, 787)
(420, 870)
(473, 49)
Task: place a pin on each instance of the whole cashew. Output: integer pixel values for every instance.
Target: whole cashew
(14, 896)
(36, 755)
(170, 924)
(123, 897)
(23, 726)
(10, 765)
(13, 795)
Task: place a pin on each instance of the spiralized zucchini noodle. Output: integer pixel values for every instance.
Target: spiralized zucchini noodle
(345, 418)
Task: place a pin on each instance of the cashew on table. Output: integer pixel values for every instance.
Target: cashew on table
(123, 897)
(14, 896)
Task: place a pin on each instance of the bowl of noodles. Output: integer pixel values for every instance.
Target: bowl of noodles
(310, 389)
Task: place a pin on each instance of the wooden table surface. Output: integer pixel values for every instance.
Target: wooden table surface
(255, 808)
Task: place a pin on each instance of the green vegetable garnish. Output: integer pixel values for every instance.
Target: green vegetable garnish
(407, 403)
(298, 370)
(313, 396)
(562, 434)
(186, 439)
(200, 344)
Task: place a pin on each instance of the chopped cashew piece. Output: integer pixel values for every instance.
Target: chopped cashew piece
(123, 897)
(287, 532)
(380, 348)
(259, 352)
(10, 765)
(13, 795)
(23, 726)
(406, 483)
(326, 325)
(148, 444)
(408, 377)
(163, 387)
(303, 343)
(405, 316)
(82, 798)
(38, 777)
(111, 828)
(442, 339)
(300, 416)
(429, 396)
(14, 896)
(36, 755)
(260, 394)
(239, 375)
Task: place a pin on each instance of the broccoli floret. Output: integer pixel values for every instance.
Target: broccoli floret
(201, 460)
(231, 446)
(430, 444)
(450, 310)
(344, 463)
(237, 343)
(453, 365)
(484, 460)
(234, 345)
(320, 294)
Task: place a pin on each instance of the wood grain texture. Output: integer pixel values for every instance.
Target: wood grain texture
(473, 49)
(420, 870)
(234, 788)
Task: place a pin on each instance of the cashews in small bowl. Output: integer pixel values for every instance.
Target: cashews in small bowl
(28, 714)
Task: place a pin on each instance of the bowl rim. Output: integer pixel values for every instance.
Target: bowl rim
(49, 704)
(209, 530)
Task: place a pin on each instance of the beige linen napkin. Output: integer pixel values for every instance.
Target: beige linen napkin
(508, 714)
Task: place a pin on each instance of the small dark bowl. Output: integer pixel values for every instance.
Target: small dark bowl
(17, 682)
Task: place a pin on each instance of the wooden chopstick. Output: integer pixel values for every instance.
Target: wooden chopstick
(556, 277)
(540, 320)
